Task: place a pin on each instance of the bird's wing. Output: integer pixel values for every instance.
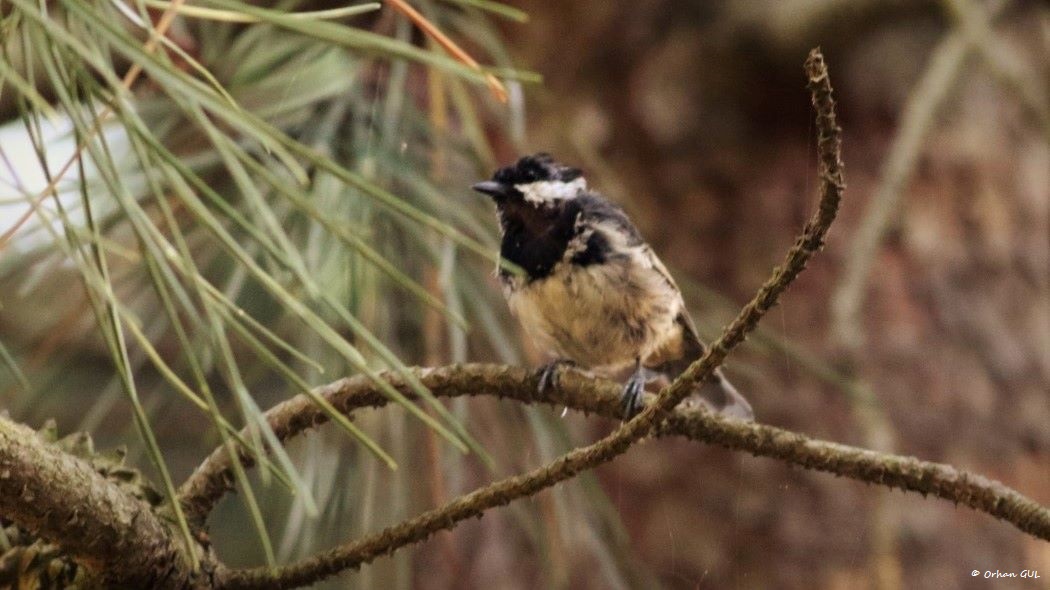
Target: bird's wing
(598, 211)
(681, 351)
(612, 220)
(659, 267)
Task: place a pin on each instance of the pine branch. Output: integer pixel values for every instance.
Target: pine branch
(62, 499)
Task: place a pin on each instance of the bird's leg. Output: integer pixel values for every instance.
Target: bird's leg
(631, 398)
(549, 373)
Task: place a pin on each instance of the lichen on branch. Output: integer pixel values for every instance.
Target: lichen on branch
(65, 500)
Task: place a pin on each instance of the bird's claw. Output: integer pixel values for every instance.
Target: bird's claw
(631, 399)
(549, 374)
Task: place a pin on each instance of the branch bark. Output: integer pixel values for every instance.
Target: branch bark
(63, 500)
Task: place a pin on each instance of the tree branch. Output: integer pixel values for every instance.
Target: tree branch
(601, 397)
(63, 500)
(615, 444)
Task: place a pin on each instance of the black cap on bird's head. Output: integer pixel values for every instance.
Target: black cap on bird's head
(537, 179)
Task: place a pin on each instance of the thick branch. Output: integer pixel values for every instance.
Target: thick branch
(615, 444)
(63, 500)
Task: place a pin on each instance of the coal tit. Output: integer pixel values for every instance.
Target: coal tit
(593, 292)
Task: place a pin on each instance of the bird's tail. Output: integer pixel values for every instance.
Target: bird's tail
(717, 393)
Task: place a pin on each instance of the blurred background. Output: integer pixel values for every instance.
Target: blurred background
(258, 168)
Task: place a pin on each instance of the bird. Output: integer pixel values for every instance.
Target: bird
(589, 290)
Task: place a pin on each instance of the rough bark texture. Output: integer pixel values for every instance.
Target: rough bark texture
(64, 500)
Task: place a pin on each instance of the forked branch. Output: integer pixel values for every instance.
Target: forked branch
(661, 417)
(615, 444)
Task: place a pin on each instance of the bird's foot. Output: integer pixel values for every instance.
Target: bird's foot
(631, 398)
(549, 373)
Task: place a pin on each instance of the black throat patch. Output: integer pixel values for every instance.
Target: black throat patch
(535, 238)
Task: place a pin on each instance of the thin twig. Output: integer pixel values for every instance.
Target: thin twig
(402, 6)
(600, 397)
(502, 492)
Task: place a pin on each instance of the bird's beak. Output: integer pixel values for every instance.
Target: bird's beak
(492, 188)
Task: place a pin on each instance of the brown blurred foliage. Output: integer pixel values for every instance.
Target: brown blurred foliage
(694, 116)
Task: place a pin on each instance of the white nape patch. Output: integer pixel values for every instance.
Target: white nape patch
(546, 191)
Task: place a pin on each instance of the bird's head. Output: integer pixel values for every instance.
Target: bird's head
(538, 181)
